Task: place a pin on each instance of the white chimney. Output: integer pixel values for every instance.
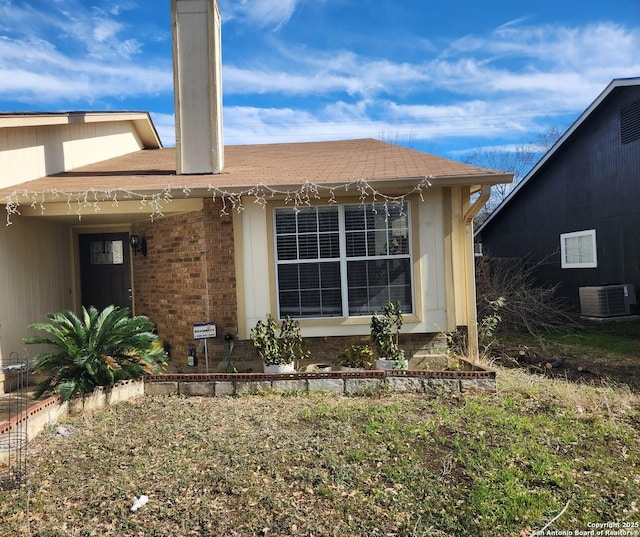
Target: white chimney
(197, 79)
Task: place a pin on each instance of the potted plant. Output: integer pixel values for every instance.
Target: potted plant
(356, 357)
(385, 333)
(278, 352)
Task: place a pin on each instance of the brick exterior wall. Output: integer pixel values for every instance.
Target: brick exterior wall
(188, 276)
(323, 350)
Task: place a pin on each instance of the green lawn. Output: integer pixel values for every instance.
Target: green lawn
(475, 465)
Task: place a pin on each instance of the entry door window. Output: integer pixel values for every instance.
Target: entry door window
(106, 253)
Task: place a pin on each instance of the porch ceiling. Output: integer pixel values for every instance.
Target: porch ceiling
(106, 213)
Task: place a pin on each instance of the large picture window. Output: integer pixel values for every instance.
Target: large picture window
(338, 261)
(578, 249)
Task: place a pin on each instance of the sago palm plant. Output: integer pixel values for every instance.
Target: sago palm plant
(98, 349)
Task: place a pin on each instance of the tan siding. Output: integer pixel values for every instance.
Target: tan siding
(460, 265)
(432, 258)
(259, 287)
(35, 278)
(198, 91)
(28, 153)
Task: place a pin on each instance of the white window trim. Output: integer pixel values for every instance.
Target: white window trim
(563, 245)
(343, 259)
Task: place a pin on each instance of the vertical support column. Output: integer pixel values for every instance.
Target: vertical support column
(472, 307)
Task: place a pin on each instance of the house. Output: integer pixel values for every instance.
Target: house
(578, 209)
(326, 232)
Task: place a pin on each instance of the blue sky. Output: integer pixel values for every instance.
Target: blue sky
(443, 77)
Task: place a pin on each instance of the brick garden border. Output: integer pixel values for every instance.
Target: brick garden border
(475, 379)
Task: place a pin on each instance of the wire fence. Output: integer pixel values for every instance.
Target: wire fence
(13, 423)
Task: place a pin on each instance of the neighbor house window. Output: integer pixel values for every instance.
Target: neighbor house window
(578, 249)
(339, 261)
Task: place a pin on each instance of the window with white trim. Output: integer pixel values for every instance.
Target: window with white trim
(578, 249)
(343, 260)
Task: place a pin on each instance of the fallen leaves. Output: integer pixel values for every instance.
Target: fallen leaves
(321, 466)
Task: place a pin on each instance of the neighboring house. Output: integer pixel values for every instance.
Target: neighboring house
(326, 232)
(578, 209)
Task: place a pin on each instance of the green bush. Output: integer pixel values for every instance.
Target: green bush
(356, 356)
(385, 333)
(280, 349)
(100, 349)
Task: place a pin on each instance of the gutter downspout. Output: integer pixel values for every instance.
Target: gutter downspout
(472, 310)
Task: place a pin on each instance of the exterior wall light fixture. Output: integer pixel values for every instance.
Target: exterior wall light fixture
(138, 244)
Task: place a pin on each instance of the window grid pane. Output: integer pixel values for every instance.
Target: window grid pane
(310, 289)
(578, 249)
(371, 284)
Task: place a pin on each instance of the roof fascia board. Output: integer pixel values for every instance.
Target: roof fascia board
(60, 118)
(400, 185)
(473, 180)
(614, 84)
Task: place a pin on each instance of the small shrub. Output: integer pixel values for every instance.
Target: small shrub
(100, 349)
(356, 356)
(385, 334)
(278, 350)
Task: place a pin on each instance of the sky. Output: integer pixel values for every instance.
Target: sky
(446, 77)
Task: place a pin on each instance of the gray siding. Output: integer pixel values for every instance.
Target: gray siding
(592, 181)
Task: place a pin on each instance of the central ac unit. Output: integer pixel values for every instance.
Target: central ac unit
(607, 300)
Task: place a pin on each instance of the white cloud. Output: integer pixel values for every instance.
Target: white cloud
(99, 33)
(71, 54)
(368, 118)
(566, 64)
(246, 81)
(529, 61)
(92, 30)
(248, 125)
(35, 71)
(11, 13)
(105, 29)
(310, 73)
(512, 82)
(260, 13)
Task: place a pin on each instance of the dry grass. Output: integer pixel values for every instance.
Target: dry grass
(599, 354)
(604, 399)
(323, 465)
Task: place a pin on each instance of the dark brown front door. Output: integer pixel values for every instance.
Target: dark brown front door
(105, 271)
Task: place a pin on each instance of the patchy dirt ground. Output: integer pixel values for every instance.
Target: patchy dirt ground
(600, 353)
